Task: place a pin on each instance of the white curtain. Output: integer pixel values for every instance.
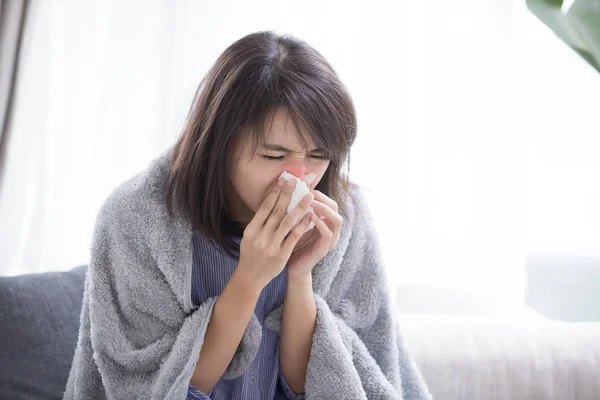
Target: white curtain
(455, 145)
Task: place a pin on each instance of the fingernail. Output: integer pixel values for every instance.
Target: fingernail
(281, 181)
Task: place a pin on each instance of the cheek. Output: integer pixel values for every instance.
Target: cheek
(250, 184)
(261, 189)
(320, 172)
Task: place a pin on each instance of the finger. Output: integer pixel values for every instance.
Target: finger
(331, 215)
(324, 230)
(320, 196)
(267, 206)
(290, 242)
(293, 218)
(334, 222)
(280, 210)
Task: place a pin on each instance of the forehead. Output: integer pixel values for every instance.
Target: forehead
(280, 130)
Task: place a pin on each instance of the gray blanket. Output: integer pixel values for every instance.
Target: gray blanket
(140, 334)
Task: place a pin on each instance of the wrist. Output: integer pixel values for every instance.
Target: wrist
(244, 285)
(301, 281)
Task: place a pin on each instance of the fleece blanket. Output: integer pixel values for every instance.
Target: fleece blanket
(140, 335)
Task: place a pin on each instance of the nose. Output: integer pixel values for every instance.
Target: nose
(299, 170)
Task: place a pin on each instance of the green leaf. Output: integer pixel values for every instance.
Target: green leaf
(579, 27)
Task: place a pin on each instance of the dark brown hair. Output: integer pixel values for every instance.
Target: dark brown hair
(252, 78)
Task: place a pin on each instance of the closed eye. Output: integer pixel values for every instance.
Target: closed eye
(279, 158)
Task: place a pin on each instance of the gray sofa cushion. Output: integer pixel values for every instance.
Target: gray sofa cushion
(39, 324)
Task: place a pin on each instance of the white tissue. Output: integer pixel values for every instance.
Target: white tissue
(302, 189)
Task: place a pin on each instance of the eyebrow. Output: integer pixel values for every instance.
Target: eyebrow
(276, 147)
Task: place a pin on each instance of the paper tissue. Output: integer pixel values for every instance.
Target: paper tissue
(302, 189)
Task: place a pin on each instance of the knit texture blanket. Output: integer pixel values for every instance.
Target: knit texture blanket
(140, 335)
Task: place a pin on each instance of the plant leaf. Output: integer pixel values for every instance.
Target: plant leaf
(579, 27)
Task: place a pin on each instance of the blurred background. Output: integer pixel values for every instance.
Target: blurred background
(478, 133)
(478, 136)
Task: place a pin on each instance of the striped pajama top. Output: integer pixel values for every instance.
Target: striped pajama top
(262, 380)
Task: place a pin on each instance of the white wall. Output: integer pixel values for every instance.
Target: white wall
(558, 107)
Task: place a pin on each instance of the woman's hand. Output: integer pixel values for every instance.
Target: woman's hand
(271, 235)
(328, 225)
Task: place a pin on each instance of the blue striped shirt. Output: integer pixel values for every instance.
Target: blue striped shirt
(262, 380)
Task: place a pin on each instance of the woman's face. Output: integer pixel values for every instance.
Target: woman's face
(250, 179)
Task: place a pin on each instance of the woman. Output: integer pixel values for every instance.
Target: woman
(202, 285)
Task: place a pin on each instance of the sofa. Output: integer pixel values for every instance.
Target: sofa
(470, 351)
(39, 324)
